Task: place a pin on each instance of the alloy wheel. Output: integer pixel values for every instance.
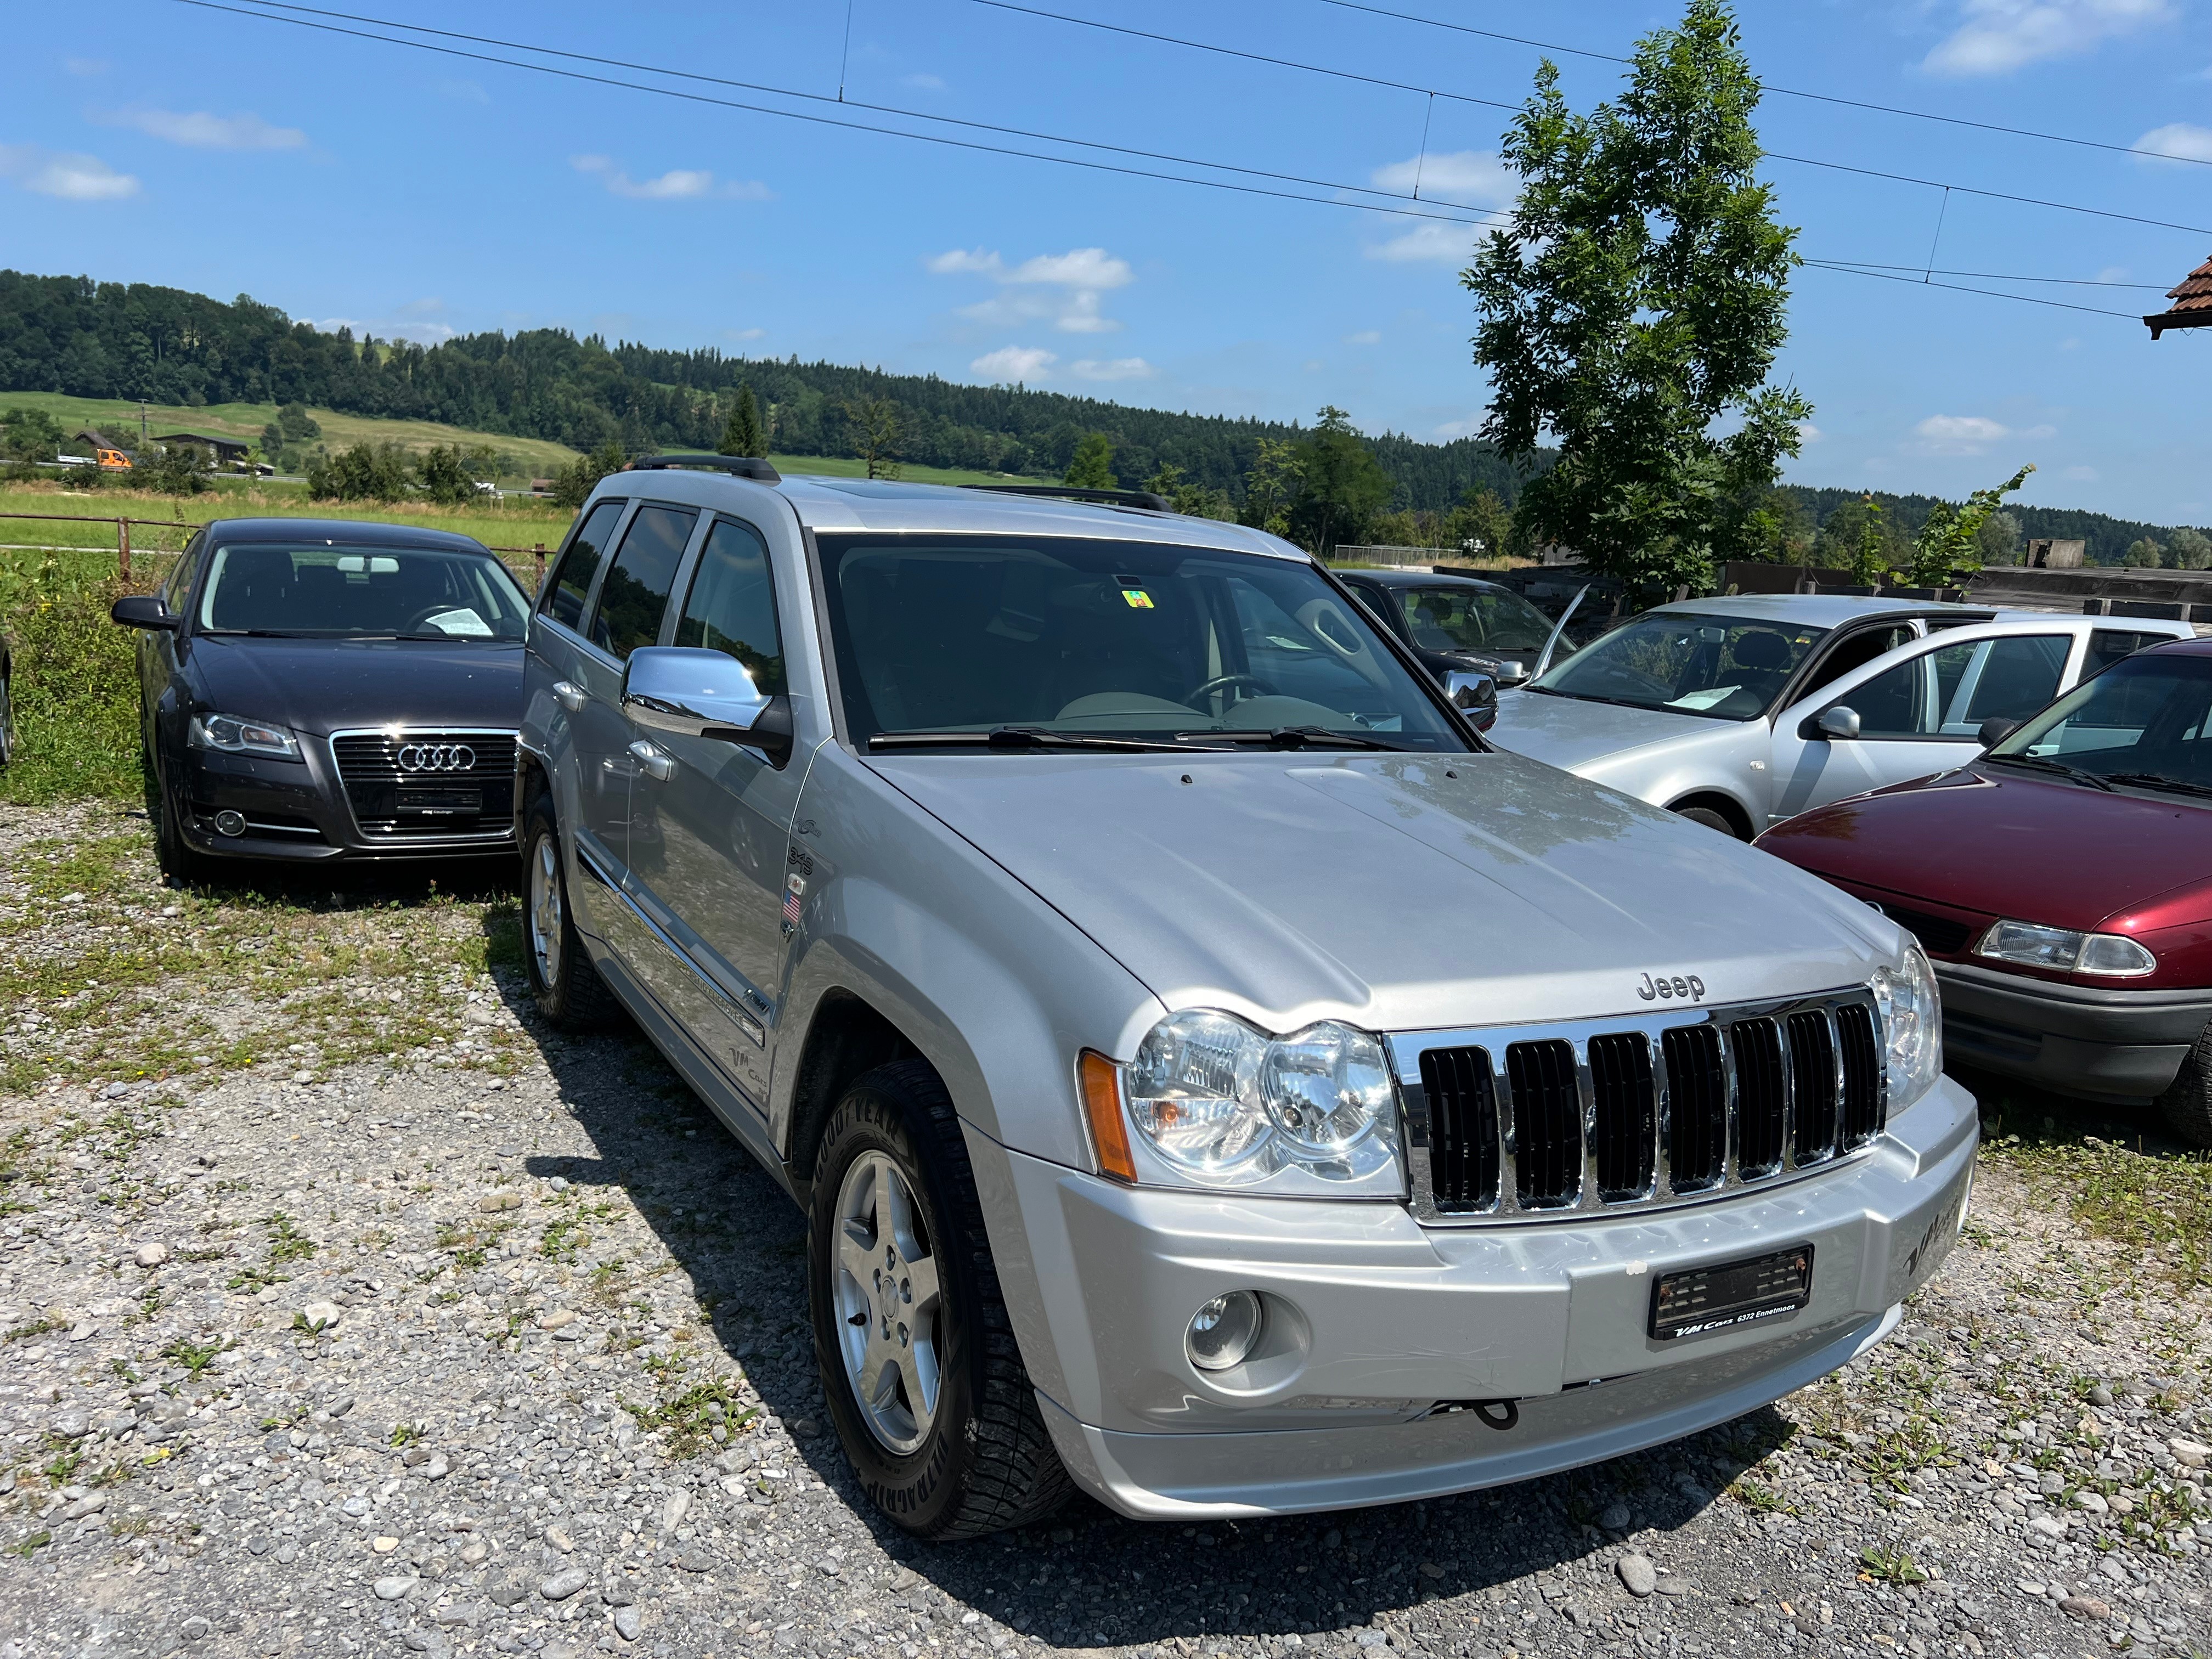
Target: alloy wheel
(544, 909)
(888, 1303)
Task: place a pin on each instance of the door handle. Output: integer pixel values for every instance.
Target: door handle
(657, 766)
(570, 694)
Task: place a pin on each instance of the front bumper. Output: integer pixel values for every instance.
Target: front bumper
(298, 811)
(1379, 1320)
(2110, 1045)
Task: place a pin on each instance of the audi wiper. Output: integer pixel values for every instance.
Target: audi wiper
(1300, 737)
(2036, 762)
(1019, 737)
(2160, 780)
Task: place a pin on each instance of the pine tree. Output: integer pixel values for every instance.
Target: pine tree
(741, 434)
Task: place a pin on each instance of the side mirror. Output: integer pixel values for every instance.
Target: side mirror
(1995, 729)
(1471, 691)
(143, 611)
(1838, 722)
(689, 692)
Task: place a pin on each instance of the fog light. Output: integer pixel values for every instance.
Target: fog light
(230, 822)
(1224, 1331)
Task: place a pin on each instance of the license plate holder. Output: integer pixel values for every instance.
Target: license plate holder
(469, 801)
(1699, 1301)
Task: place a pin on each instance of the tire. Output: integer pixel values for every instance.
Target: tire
(178, 860)
(977, 1458)
(567, 988)
(2187, 1102)
(1711, 819)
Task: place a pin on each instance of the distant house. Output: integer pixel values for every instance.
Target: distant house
(2192, 307)
(227, 451)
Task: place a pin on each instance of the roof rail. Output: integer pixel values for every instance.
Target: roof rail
(1144, 498)
(744, 466)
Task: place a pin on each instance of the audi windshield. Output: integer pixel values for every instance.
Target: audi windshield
(323, 592)
(1726, 668)
(1003, 642)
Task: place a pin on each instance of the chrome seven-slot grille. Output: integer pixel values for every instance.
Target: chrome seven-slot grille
(1638, 1112)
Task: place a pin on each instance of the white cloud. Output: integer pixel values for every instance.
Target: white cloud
(2081, 475)
(1064, 288)
(462, 91)
(198, 130)
(1970, 435)
(68, 174)
(922, 83)
(1451, 429)
(1999, 36)
(85, 66)
(1448, 244)
(2179, 138)
(1009, 364)
(1810, 434)
(1365, 336)
(678, 185)
(745, 333)
(1476, 177)
(1116, 368)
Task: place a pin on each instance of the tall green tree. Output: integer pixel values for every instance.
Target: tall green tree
(1999, 539)
(1949, 545)
(1092, 466)
(1634, 307)
(1272, 485)
(2143, 553)
(1184, 496)
(741, 433)
(1481, 525)
(1341, 484)
(2189, 549)
(575, 481)
(875, 431)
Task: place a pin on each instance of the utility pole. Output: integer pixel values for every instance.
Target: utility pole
(142, 423)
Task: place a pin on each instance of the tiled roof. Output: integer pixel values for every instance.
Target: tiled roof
(2192, 303)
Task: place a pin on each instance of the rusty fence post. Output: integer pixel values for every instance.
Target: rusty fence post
(123, 549)
(538, 552)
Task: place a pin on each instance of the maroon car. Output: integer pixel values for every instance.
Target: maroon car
(2062, 884)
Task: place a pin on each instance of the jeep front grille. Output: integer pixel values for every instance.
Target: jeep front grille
(1640, 1111)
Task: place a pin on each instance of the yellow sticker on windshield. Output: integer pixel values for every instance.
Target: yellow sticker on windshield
(1137, 599)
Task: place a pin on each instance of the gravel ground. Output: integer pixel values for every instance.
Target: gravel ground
(435, 1332)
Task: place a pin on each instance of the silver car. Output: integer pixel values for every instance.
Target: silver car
(1740, 712)
(1214, 1076)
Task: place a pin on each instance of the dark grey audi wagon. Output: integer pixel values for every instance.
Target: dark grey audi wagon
(316, 688)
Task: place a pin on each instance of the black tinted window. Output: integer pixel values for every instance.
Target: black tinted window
(732, 605)
(2108, 646)
(635, 596)
(572, 582)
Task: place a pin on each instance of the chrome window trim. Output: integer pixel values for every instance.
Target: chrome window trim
(479, 838)
(1405, 1049)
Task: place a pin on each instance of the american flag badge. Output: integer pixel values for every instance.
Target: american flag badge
(795, 890)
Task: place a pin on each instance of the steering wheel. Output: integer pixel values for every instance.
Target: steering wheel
(415, 622)
(1223, 681)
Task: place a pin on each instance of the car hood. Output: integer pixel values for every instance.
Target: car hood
(321, 686)
(1577, 735)
(2004, 843)
(1386, 891)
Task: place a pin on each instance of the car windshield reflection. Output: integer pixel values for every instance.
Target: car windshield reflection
(1719, 667)
(322, 592)
(2144, 723)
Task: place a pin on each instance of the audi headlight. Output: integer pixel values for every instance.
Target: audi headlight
(1912, 1025)
(1229, 1106)
(234, 736)
(2069, 952)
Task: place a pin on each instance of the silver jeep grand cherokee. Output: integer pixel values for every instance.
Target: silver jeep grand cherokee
(1215, 1077)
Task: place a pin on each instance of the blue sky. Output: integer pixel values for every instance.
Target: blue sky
(420, 195)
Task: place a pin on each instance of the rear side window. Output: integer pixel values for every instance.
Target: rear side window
(2108, 646)
(635, 596)
(732, 605)
(1949, 691)
(572, 582)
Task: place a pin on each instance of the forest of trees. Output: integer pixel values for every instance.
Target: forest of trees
(69, 334)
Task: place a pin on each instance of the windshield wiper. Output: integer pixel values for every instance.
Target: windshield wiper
(2160, 780)
(2040, 765)
(1300, 737)
(1018, 737)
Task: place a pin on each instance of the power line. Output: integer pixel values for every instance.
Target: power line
(1491, 103)
(1787, 92)
(1484, 216)
(1917, 278)
(1988, 275)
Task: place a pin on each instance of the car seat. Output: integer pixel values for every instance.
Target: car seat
(252, 590)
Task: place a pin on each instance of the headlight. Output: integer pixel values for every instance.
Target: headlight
(1228, 1105)
(1913, 1025)
(234, 736)
(2069, 952)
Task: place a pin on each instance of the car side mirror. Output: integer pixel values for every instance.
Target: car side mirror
(1838, 722)
(144, 610)
(1470, 688)
(689, 692)
(1995, 729)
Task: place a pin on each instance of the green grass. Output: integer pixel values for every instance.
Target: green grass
(2156, 1205)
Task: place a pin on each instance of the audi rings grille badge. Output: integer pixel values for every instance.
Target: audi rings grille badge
(436, 757)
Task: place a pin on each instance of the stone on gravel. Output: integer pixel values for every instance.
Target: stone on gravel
(562, 1585)
(151, 1256)
(1638, 1576)
(627, 1623)
(321, 1315)
(1614, 1517)
(2190, 1454)
(392, 1588)
(2084, 1607)
(673, 1511)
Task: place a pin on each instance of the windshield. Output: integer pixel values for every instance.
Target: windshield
(323, 592)
(1483, 618)
(1727, 668)
(1108, 639)
(2141, 721)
